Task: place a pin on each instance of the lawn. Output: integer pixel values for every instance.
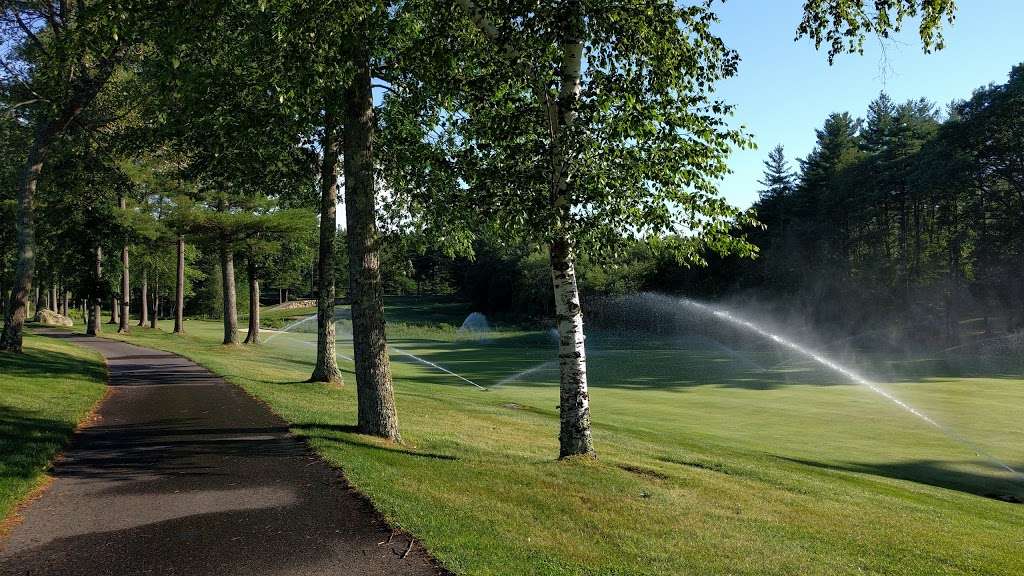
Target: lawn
(710, 462)
(44, 393)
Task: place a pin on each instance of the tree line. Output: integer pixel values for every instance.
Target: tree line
(910, 218)
(143, 136)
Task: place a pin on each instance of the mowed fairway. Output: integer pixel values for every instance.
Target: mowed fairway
(709, 462)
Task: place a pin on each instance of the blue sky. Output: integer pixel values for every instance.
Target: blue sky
(785, 89)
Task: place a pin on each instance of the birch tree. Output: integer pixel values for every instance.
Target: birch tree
(599, 117)
(583, 122)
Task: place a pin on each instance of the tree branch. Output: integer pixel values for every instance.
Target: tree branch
(25, 103)
(513, 56)
(386, 87)
(31, 35)
(20, 80)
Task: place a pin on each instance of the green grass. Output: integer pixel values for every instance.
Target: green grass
(437, 312)
(708, 464)
(279, 318)
(44, 393)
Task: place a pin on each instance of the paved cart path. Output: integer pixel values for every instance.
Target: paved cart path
(185, 474)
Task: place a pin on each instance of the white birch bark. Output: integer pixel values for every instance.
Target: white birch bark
(95, 310)
(575, 436)
(574, 407)
(144, 299)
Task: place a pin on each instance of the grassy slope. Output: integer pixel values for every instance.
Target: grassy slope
(44, 393)
(756, 471)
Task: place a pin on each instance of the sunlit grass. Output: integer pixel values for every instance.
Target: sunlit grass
(708, 464)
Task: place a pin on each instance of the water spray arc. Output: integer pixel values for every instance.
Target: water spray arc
(290, 327)
(436, 366)
(426, 362)
(853, 376)
(542, 367)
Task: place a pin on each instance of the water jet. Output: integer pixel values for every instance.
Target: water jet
(743, 323)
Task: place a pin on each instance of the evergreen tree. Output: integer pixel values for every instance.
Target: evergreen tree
(778, 179)
(772, 208)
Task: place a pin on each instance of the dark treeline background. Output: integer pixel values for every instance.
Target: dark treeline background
(906, 221)
(909, 219)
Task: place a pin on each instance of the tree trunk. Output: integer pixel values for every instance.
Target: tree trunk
(38, 306)
(574, 398)
(126, 292)
(156, 305)
(115, 309)
(252, 336)
(144, 300)
(574, 405)
(17, 308)
(93, 323)
(65, 302)
(376, 402)
(179, 290)
(97, 296)
(227, 267)
(326, 367)
(53, 298)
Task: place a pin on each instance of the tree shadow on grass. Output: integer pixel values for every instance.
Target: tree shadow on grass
(937, 473)
(28, 442)
(36, 362)
(29, 439)
(328, 432)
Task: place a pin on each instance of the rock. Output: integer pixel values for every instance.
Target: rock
(293, 304)
(51, 318)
